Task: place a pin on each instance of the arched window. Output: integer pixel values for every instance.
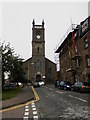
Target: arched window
(38, 65)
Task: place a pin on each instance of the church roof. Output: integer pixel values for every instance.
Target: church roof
(27, 60)
(49, 60)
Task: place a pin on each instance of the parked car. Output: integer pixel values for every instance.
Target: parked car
(9, 86)
(29, 84)
(81, 87)
(65, 85)
(57, 84)
(41, 83)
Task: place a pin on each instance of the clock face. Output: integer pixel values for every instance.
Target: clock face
(38, 36)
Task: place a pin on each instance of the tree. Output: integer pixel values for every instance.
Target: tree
(11, 64)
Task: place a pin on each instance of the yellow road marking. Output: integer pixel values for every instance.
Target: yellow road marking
(21, 105)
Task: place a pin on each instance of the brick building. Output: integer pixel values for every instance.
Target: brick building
(38, 66)
(74, 54)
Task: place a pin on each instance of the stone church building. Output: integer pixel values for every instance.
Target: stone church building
(38, 67)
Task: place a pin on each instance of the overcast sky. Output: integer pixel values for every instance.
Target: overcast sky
(17, 23)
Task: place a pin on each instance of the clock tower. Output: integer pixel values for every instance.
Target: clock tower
(38, 67)
(38, 51)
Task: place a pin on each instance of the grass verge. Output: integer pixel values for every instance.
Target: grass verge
(7, 94)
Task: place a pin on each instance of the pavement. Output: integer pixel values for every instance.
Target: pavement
(24, 96)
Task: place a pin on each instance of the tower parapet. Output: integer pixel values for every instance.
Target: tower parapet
(33, 22)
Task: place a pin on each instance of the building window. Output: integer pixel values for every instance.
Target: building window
(88, 61)
(76, 50)
(75, 35)
(77, 63)
(86, 43)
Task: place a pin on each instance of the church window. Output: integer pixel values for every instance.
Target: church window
(38, 65)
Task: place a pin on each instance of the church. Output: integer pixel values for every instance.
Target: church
(38, 67)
